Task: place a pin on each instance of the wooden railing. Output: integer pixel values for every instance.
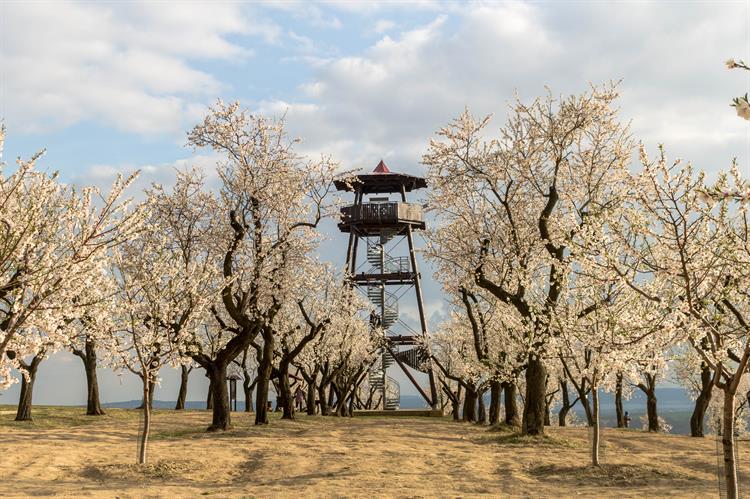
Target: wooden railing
(382, 212)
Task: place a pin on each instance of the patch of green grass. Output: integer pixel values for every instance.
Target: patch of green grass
(503, 428)
(53, 417)
(168, 424)
(607, 475)
(515, 439)
(178, 434)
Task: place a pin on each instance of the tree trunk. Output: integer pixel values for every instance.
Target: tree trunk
(595, 427)
(147, 385)
(587, 407)
(456, 409)
(727, 444)
(536, 396)
(618, 402)
(27, 390)
(511, 405)
(322, 400)
(332, 394)
(653, 417)
(342, 408)
(702, 402)
(355, 390)
(649, 388)
(182, 395)
(481, 409)
(456, 402)
(151, 390)
(284, 397)
(310, 390)
(547, 421)
(583, 392)
(342, 387)
(221, 413)
(310, 397)
(495, 392)
(562, 415)
(470, 404)
(210, 395)
(274, 386)
(88, 356)
(351, 404)
(349, 387)
(247, 387)
(264, 379)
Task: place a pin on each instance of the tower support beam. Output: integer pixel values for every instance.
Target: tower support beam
(420, 306)
(403, 367)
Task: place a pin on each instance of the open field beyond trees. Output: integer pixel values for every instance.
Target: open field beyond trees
(64, 453)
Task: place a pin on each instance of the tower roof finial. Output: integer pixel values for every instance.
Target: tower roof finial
(381, 168)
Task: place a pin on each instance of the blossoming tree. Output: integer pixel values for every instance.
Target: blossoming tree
(321, 301)
(160, 300)
(687, 252)
(511, 206)
(270, 203)
(54, 239)
(740, 104)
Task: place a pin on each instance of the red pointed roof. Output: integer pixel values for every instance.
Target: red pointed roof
(381, 168)
(381, 180)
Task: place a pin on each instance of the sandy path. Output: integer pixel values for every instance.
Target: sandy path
(332, 457)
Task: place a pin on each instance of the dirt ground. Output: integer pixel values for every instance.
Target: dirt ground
(66, 454)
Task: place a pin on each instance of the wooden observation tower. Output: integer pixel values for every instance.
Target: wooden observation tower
(379, 225)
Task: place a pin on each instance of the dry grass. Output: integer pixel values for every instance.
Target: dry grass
(609, 475)
(64, 453)
(54, 417)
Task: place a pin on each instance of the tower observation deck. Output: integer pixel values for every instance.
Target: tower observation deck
(379, 225)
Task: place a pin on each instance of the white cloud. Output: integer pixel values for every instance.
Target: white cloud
(279, 107)
(309, 12)
(372, 6)
(383, 25)
(313, 89)
(304, 43)
(103, 175)
(388, 100)
(127, 65)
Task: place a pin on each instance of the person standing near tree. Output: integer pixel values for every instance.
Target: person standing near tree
(299, 397)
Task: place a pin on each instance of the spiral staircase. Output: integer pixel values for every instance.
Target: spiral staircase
(387, 304)
(380, 381)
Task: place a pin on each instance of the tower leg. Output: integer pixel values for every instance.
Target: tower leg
(352, 266)
(411, 378)
(385, 381)
(422, 318)
(351, 250)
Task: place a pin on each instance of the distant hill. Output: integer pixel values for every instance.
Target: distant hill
(673, 404)
(161, 404)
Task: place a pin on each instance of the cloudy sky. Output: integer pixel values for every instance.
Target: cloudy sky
(114, 86)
